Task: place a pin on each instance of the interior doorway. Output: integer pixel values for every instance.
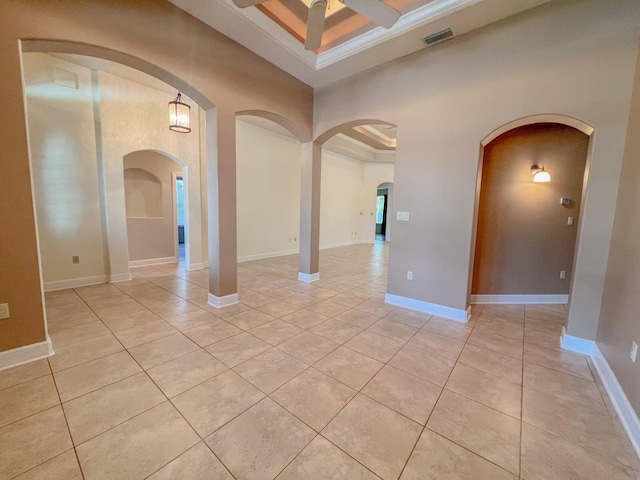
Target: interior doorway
(179, 216)
(381, 214)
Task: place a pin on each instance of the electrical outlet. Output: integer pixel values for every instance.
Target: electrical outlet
(4, 311)
(634, 351)
(563, 274)
(409, 275)
(75, 259)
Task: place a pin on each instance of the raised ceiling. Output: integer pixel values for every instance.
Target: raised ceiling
(275, 30)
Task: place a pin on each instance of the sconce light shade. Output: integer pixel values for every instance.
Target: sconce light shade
(540, 175)
(179, 120)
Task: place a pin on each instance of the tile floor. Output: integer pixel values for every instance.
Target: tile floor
(320, 381)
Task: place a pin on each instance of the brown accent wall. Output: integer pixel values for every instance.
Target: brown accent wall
(523, 240)
(162, 39)
(620, 315)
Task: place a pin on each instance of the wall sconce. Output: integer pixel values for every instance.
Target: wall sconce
(179, 115)
(540, 175)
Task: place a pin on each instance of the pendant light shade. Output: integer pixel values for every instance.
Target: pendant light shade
(540, 175)
(179, 115)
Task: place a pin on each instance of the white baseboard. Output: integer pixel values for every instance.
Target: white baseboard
(152, 261)
(119, 277)
(431, 308)
(220, 302)
(261, 256)
(340, 244)
(197, 266)
(28, 353)
(74, 283)
(368, 241)
(517, 299)
(576, 344)
(308, 277)
(625, 411)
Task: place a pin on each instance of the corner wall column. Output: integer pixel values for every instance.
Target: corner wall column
(311, 159)
(221, 202)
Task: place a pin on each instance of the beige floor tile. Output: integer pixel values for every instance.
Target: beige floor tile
(437, 344)
(576, 424)
(348, 300)
(564, 386)
(349, 367)
(492, 362)
(62, 467)
(157, 352)
(542, 339)
(560, 360)
(185, 372)
(448, 328)
(26, 399)
(184, 321)
(96, 374)
(376, 436)
(305, 318)
(501, 327)
(436, 458)
(377, 307)
(29, 442)
(97, 412)
(545, 324)
(69, 336)
(226, 312)
(197, 463)
(278, 308)
(404, 393)
(174, 309)
(313, 397)
(487, 389)
(138, 447)
(497, 343)
(545, 456)
(119, 322)
(270, 370)
(260, 442)
(68, 321)
(322, 460)
(395, 330)
(327, 308)
(336, 331)
(303, 300)
(249, 319)
(358, 318)
(429, 367)
(256, 299)
(82, 352)
(409, 317)
(374, 345)
(207, 333)
(23, 373)
(276, 332)
(486, 432)
(237, 349)
(308, 347)
(144, 333)
(213, 403)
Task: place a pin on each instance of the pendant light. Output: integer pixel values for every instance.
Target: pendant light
(179, 115)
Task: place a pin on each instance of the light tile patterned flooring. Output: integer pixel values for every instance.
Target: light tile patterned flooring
(320, 381)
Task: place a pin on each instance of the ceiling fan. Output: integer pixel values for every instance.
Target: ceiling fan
(375, 10)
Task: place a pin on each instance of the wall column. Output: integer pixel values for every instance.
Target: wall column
(311, 158)
(221, 202)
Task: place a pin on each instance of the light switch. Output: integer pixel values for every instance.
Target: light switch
(569, 221)
(402, 216)
(4, 311)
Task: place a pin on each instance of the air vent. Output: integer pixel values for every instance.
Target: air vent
(438, 37)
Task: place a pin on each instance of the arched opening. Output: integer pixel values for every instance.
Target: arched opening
(157, 221)
(384, 207)
(526, 234)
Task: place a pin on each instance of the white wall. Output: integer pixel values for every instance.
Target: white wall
(268, 192)
(78, 138)
(573, 58)
(65, 173)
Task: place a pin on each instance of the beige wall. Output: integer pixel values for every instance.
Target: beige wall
(150, 204)
(523, 240)
(619, 319)
(160, 39)
(572, 58)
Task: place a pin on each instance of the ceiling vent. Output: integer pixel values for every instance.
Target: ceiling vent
(439, 37)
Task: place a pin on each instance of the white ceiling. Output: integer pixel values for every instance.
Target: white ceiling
(254, 30)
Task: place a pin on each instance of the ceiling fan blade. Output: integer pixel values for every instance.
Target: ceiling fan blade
(375, 10)
(247, 3)
(315, 24)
